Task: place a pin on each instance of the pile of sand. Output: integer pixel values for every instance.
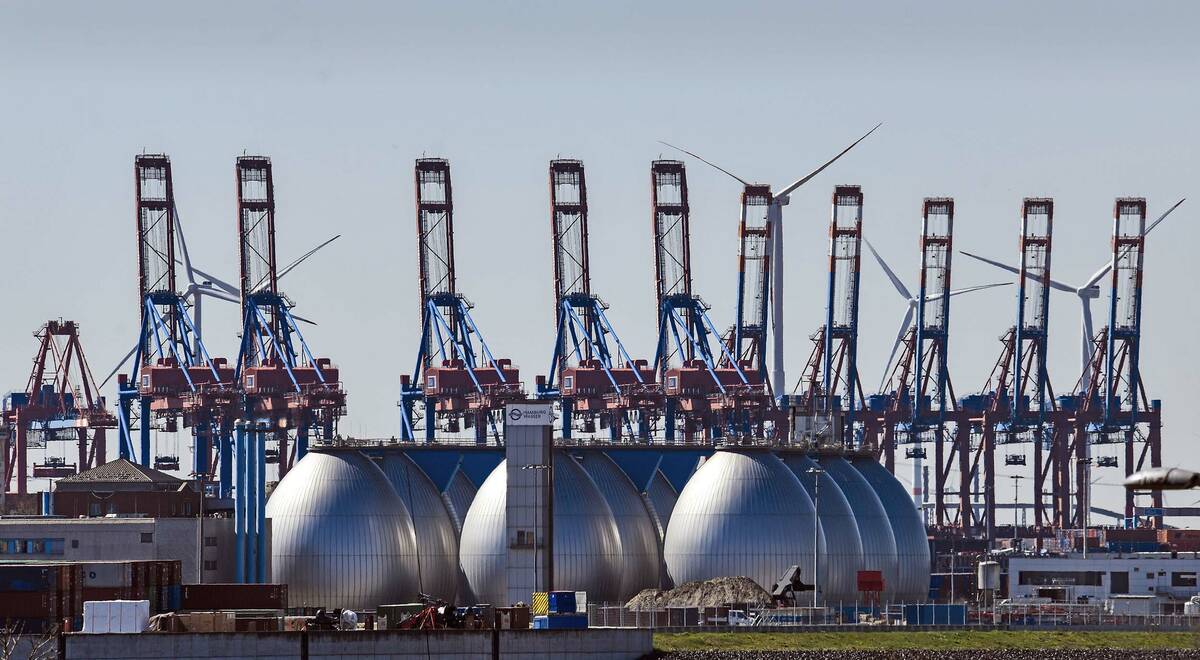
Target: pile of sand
(703, 593)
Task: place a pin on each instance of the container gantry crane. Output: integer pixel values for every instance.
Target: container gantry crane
(830, 399)
(456, 378)
(61, 403)
(918, 406)
(173, 376)
(1017, 404)
(285, 388)
(592, 380)
(708, 389)
(1112, 404)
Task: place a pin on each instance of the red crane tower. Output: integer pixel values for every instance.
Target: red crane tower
(173, 376)
(831, 402)
(61, 403)
(286, 389)
(454, 380)
(592, 380)
(709, 390)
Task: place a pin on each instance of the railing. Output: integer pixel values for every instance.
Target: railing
(885, 616)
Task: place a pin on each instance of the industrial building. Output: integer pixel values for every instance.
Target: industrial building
(51, 538)
(1169, 580)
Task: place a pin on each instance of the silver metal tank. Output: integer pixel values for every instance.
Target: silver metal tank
(912, 541)
(437, 539)
(459, 494)
(840, 565)
(587, 545)
(341, 536)
(641, 557)
(878, 543)
(660, 497)
(743, 513)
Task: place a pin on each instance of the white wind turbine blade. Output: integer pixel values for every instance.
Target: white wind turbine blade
(187, 258)
(969, 289)
(903, 290)
(899, 339)
(1095, 278)
(213, 292)
(706, 162)
(799, 182)
(299, 260)
(118, 367)
(222, 284)
(1054, 284)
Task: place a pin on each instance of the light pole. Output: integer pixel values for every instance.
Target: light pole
(816, 472)
(1087, 489)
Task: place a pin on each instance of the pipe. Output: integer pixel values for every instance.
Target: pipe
(252, 482)
(226, 451)
(144, 432)
(239, 505)
(260, 513)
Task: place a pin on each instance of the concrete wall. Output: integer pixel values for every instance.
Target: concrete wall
(594, 644)
(87, 539)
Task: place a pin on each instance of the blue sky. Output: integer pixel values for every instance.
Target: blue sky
(986, 103)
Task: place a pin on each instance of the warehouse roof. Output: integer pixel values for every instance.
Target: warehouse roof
(121, 471)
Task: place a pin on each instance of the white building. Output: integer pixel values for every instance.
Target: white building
(1169, 580)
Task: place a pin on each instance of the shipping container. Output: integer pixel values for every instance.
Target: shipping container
(234, 596)
(560, 622)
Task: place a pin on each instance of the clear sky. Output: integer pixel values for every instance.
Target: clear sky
(1080, 101)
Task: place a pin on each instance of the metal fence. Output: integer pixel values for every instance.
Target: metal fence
(887, 615)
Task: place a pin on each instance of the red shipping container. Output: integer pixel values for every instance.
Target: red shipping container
(28, 605)
(234, 596)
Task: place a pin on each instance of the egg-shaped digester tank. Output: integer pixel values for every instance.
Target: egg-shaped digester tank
(437, 539)
(912, 541)
(640, 555)
(874, 529)
(743, 513)
(587, 545)
(840, 565)
(340, 535)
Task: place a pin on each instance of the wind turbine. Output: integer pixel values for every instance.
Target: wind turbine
(912, 304)
(775, 249)
(1087, 292)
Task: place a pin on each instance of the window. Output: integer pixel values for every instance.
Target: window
(568, 382)
(187, 508)
(94, 509)
(210, 564)
(74, 543)
(250, 381)
(1183, 579)
(1049, 578)
(672, 382)
(32, 546)
(431, 382)
(210, 541)
(147, 537)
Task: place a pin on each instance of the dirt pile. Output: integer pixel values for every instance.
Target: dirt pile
(703, 593)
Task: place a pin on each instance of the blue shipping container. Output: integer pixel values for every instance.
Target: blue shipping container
(562, 602)
(560, 622)
(15, 577)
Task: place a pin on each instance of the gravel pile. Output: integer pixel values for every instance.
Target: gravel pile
(917, 654)
(703, 593)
